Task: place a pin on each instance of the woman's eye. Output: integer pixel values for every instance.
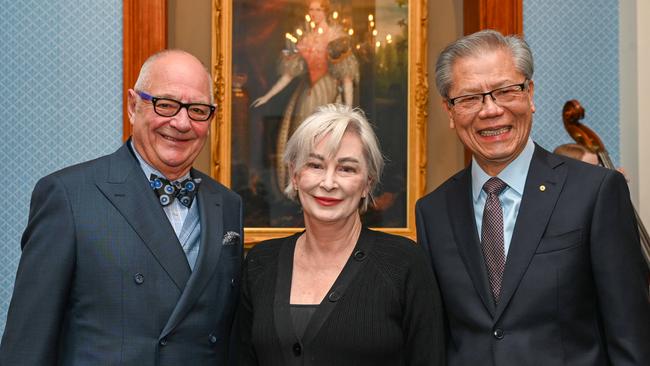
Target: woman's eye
(314, 165)
(348, 169)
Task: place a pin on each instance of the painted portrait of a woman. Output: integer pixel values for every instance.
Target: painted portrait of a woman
(321, 56)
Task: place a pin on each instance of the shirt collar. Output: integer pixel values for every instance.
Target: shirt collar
(148, 169)
(514, 174)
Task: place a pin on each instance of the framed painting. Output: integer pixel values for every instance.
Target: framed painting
(275, 61)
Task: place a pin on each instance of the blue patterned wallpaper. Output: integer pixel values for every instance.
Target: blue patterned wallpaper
(61, 90)
(575, 46)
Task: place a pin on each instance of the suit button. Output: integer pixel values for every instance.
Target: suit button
(163, 342)
(498, 333)
(297, 349)
(138, 278)
(359, 255)
(212, 338)
(232, 282)
(334, 296)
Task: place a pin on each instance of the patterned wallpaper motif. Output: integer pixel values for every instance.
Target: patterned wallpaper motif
(575, 45)
(61, 87)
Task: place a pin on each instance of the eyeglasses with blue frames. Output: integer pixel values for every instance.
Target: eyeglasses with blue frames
(503, 96)
(167, 107)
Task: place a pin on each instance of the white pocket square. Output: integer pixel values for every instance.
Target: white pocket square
(231, 238)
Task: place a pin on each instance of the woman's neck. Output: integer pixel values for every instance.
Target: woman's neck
(331, 238)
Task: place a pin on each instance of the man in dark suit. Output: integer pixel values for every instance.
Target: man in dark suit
(133, 258)
(537, 255)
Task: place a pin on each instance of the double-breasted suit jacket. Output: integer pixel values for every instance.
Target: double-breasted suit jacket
(103, 279)
(573, 291)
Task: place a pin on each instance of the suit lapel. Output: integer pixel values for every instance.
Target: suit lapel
(128, 190)
(211, 217)
(543, 186)
(461, 212)
(281, 308)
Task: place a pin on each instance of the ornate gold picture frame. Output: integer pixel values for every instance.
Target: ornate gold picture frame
(382, 42)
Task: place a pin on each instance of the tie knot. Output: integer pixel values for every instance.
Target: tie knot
(494, 185)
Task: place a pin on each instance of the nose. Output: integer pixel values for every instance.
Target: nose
(329, 180)
(181, 121)
(490, 108)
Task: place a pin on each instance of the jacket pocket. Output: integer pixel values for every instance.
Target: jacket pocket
(554, 243)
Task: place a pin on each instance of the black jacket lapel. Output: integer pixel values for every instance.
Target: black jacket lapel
(461, 211)
(281, 311)
(128, 190)
(544, 183)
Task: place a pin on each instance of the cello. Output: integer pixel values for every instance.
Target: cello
(572, 113)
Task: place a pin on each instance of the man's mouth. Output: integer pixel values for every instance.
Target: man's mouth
(172, 139)
(490, 133)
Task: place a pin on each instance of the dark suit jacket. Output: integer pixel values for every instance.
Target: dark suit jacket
(383, 309)
(103, 280)
(574, 290)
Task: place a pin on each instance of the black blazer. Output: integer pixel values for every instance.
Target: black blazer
(574, 289)
(103, 280)
(383, 309)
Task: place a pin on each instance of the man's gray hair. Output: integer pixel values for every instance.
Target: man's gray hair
(333, 120)
(144, 81)
(478, 43)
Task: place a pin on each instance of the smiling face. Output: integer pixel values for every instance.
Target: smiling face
(330, 188)
(170, 144)
(496, 134)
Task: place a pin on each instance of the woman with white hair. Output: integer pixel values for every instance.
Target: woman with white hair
(338, 293)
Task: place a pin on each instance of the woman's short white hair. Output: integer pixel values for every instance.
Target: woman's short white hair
(333, 120)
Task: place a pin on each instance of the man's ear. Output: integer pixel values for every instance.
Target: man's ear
(531, 94)
(447, 108)
(130, 105)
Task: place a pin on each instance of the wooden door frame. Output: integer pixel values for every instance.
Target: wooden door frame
(145, 32)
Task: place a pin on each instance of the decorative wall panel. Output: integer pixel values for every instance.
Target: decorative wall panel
(61, 102)
(575, 45)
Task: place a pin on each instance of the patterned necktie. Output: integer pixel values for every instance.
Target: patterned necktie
(166, 191)
(492, 234)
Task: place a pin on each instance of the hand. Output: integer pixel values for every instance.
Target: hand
(260, 101)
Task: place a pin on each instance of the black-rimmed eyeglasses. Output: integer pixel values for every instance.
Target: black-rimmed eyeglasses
(167, 107)
(502, 96)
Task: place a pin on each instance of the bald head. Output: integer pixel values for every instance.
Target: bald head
(169, 57)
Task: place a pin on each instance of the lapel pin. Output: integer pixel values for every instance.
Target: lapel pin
(542, 188)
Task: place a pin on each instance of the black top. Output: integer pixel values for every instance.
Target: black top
(383, 309)
(300, 316)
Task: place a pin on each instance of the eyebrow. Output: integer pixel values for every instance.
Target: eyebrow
(341, 160)
(169, 96)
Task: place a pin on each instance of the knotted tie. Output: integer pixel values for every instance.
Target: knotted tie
(166, 191)
(492, 234)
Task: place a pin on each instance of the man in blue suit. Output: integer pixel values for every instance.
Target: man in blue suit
(133, 258)
(537, 255)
